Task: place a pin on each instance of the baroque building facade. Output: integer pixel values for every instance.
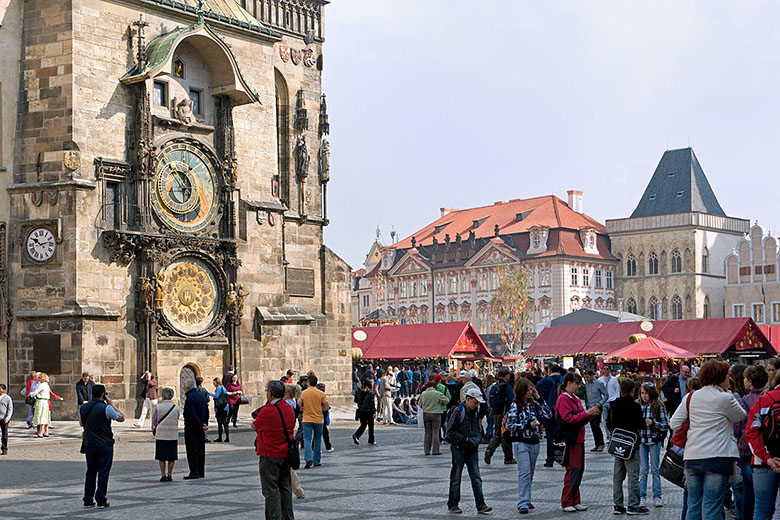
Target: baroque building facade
(752, 284)
(448, 270)
(671, 251)
(168, 196)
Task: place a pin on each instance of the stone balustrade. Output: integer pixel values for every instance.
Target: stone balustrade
(295, 16)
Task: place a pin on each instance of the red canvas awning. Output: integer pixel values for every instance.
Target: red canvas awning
(561, 341)
(716, 336)
(650, 348)
(772, 333)
(427, 340)
(612, 336)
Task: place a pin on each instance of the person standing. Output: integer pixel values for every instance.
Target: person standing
(6, 412)
(626, 414)
(569, 409)
(674, 388)
(149, 385)
(595, 395)
(766, 457)
(386, 389)
(464, 437)
(501, 398)
(612, 384)
(95, 417)
(196, 422)
(652, 435)
(403, 382)
(355, 381)
(221, 408)
(433, 404)
(32, 384)
(234, 399)
(466, 380)
(366, 411)
(523, 429)
(165, 422)
(42, 395)
(314, 405)
(290, 398)
(274, 425)
(84, 389)
(548, 390)
(755, 379)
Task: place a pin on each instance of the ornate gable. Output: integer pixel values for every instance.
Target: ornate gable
(409, 264)
(493, 254)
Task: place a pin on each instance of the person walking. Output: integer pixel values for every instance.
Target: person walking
(500, 397)
(464, 437)
(42, 394)
(766, 452)
(196, 423)
(325, 423)
(442, 388)
(314, 405)
(84, 389)
(611, 382)
(711, 450)
(626, 414)
(433, 404)
(95, 417)
(652, 435)
(221, 408)
(595, 395)
(149, 393)
(274, 426)
(523, 429)
(366, 411)
(234, 399)
(466, 380)
(755, 379)
(165, 424)
(548, 389)
(6, 412)
(403, 382)
(572, 417)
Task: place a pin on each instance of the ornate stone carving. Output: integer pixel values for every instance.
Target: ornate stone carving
(122, 248)
(324, 126)
(301, 158)
(325, 162)
(181, 110)
(301, 114)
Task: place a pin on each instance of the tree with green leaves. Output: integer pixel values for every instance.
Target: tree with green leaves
(510, 307)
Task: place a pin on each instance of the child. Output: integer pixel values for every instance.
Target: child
(626, 414)
(652, 437)
(326, 417)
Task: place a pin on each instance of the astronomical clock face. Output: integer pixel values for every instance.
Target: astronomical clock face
(191, 297)
(185, 188)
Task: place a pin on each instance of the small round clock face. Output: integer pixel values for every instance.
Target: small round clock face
(40, 245)
(185, 187)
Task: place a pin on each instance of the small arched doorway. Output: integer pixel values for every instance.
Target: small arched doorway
(186, 378)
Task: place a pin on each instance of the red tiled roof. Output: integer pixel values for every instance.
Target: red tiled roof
(548, 211)
(426, 340)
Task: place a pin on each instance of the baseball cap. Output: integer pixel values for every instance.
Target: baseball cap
(476, 394)
(465, 373)
(437, 377)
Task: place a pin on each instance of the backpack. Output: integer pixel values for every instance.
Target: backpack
(221, 401)
(770, 428)
(497, 398)
(455, 409)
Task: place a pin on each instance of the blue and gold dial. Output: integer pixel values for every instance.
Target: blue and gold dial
(185, 187)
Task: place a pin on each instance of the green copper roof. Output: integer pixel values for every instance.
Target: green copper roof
(225, 11)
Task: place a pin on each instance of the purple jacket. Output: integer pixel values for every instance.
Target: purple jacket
(747, 403)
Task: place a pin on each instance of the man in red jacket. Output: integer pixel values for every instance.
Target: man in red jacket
(766, 464)
(274, 425)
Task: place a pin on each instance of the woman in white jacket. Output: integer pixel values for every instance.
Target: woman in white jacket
(711, 452)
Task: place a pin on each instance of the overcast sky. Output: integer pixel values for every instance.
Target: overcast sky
(460, 103)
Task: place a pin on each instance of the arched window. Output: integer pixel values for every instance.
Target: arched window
(630, 265)
(676, 262)
(652, 308)
(631, 306)
(706, 307)
(705, 261)
(677, 308)
(652, 263)
(282, 138)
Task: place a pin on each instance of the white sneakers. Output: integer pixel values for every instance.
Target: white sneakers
(659, 501)
(642, 502)
(574, 509)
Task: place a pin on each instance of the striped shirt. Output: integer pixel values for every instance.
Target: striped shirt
(653, 433)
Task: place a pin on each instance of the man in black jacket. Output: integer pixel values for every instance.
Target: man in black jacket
(674, 388)
(84, 389)
(502, 403)
(196, 422)
(626, 414)
(464, 437)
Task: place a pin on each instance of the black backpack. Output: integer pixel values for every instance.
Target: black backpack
(770, 428)
(497, 397)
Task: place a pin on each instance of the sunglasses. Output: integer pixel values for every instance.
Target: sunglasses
(648, 384)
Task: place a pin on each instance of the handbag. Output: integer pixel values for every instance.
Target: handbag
(243, 400)
(680, 437)
(672, 468)
(154, 428)
(559, 452)
(622, 444)
(293, 455)
(29, 400)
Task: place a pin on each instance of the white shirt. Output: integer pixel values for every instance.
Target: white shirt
(613, 387)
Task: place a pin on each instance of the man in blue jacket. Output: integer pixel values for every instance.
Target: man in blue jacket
(548, 390)
(196, 422)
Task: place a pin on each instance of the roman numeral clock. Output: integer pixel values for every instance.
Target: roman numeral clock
(40, 242)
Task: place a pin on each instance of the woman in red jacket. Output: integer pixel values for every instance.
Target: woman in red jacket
(234, 392)
(572, 418)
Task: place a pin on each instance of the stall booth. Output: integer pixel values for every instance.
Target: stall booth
(452, 345)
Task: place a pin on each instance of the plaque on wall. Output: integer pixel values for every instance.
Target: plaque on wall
(300, 282)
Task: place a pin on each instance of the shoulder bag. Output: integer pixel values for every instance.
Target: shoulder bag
(672, 465)
(622, 444)
(154, 428)
(293, 455)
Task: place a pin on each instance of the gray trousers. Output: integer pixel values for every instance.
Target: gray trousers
(432, 423)
(626, 468)
(275, 480)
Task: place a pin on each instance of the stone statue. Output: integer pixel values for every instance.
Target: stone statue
(325, 162)
(182, 110)
(301, 158)
(159, 286)
(147, 292)
(231, 299)
(241, 294)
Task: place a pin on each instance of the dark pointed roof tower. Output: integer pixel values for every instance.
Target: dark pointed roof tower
(678, 186)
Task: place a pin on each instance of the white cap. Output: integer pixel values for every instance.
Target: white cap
(465, 373)
(476, 394)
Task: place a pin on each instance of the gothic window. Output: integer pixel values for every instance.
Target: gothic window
(598, 279)
(631, 306)
(705, 261)
(283, 137)
(652, 264)
(706, 307)
(677, 308)
(652, 308)
(609, 279)
(676, 261)
(630, 265)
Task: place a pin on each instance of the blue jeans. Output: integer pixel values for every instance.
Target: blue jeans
(747, 486)
(653, 453)
(309, 430)
(705, 494)
(469, 458)
(765, 484)
(525, 455)
(99, 460)
(604, 414)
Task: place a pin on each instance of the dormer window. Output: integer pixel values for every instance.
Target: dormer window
(476, 223)
(680, 194)
(537, 240)
(651, 197)
(440, 228)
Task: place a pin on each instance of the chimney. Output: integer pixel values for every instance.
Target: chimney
(575, 200)
(445, 211)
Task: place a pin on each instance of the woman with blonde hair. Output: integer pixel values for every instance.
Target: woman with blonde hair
(42, 413)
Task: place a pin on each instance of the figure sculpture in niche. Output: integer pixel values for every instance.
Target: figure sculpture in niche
(231, 299)
(325, 162)
(301, 158)
(182, 110)
(241, 295)
(147, 292)
(159, 283)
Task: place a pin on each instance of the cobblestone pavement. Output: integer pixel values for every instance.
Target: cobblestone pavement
(354, 482)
